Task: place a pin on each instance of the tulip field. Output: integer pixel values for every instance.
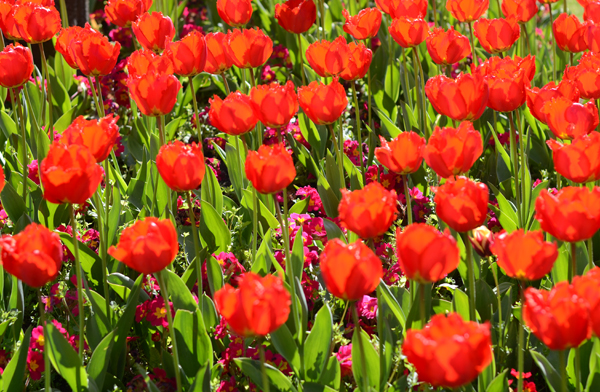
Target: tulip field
(300, 195)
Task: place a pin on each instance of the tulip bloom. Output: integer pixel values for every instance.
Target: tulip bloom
(323, 103)
(363, 26)
(16, 66)
(7, 20)
(569, 120)
(408, 32)
(350, 271)
(123, 12)
(586, 75)
(147, 246)
(248, 48)
(559, 318)
(233, 115)
(462, 203)
(99, 136)
(188, 55)
(36, 23)
(236, 13)
(569, 33)
(257, 307)
(572, 215)
(497, 35)
(63, 42)
(416, 9)
(578, 161)
(181, 165)
(403, 155)
(591, 11)
(449, 352)
(467, 10)
(296, 16)
(328, 58)
(153, 31)
(524, 255)
(69, 174)
(591, 37)
(93, 53)
(273, 104)
(270, 169)
(447, 47)
(462, 99)
(369, 212)
(452, 151)
(537, 98)
(217, 59)
(481, 240)
(426, 254)
(586, 287)
(359, 62)
(143, 61)
(523, 10)
(34, 255)
(154, 94)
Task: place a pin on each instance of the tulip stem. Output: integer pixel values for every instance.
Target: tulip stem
(338, 156)
(23, 145)
(573, 261)
(263, 368)
(521, 344)
(36, 126)
(553, 41)
(196, 248)
(422, 304)
(49, 92)
(563, 370)
(361, 347)
(407, 197)
(165, 294)
(473, 53)
(498, 298)
(514, 159)
(358, 132)
(78, 285)
(408, 96)
(104, 246)
(93, 88)
(423, 100)
(590, 254)
(225, 84)
(418, 94)
(369, 101)
(195, 104)
(254, 224)
(470, 275)
(301, 52)
(523, 157)
(47, 386)
(322, 7)
(577, 370)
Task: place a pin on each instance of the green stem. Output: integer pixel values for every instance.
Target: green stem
(338, 154)
(49, 95)
(322, 7)
(36, 126)
(563, 371)
(99, 107)
(498, 298)
(470, 275)
(407, 94)
(577, 370)
(103, 250)
(590, 253)
(422, 304)
(301, 54)
(474, 55)
(239, 155)
(407, 197)
(341, 160)
(515, 162)
(521, 344)
(47, 386)
(23, 146)
(165, 294)
(553, 42)
(225, 83)
(369, 105)
(79, 284)
(263, 368)
(254, 224)
(161, 131)
(423, 99)
(363, 357)
(196, 112)
(573, 271)
(358, 132)
(523, 157)
(198, 262)
(419, 103)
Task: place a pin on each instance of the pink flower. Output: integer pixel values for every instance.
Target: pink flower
(37, 338)
(344, 357)
(33, 172)
(35, 364)
(157, 313)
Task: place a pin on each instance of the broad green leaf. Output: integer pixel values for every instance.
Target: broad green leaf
(213, 230)
(285, 345)
(98, 364)
(65, 360)
(368, 363)
(384, 294)
(551, 376)
(278, 381)
(499, 384)
(12, 202)
(317, 345)
(180, 295)
(12, 376)
(211, 190)
(193, 343)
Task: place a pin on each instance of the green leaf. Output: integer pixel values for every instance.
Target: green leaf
(214, 274)
(460, 303)
(114, 215)
(265, 216)
(90, 261)
(193, 343)
(550, 374)
(298, 255)
(384, 294)
(278, 381)
(370, 361)
(333, 230)
(211, 190)
(506, 213)
(64, 72)
(12, 202)
(213, 230)
(300, 207)
(314, 387)
(318, 343)
(499, 383)
(332, 374)
(180, 294)
(285, 345)
(65, 360)
(485, 300)
(328, 197)
(202, 380)
(12, 376)
(60, 96)
(98, 364)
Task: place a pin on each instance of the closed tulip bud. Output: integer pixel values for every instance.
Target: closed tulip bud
(181, 165)
(425, 254)
(63, 42)
(328, 58)
(481, 240)
(188, 55)
(257, 307)
(452, 151)
(236, 13)
(415, 9)
(34, 255)
(270, 169)
(69, 174)
(447, 47)
(143, 61)
(365, 25)
(467, 10)
(408, 32)
(449, 352)
(147, 246)
(274, 104)
(233, 115)
(591, 11)
(524, 255)
(359, 62)
(36, 23)
(559, 318)
(99, 136)
(586, 287)
(462, 203)
(296, 16)
(579, 161)
(523, 10)
(123, 12)
(153, 31)
(7, 21)
(568, 119)
(369, 212)
(586, 75)
(572, 215)
(569, 33)
(16, 66)
(323, 103)
(93, 53)
(217, 59)
(497, 35)
(403, 155)
(350, 271)
(462, 99)
(154, 94)
(248, 48)
(537, 97)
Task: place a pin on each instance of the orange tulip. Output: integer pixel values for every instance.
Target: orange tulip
(99, 136)
(385, 5)
(63, 42)
(248, 48)
(217, 59)
(449, 352)
(365, 25)
(578, 161)
(153, 31)
(236, 13)
(447, 47)
(568, 119)
(467, 10)
(257, 307)
(359, 62)
(523, 10)
(416, 9)
(273, 104)
(524, 255)
(328, 58)
(350, 271)
(181, 165)
(462, 99)
(35, 22)
(497, 35)
(16, 66)
(569, 33)
(34, 255)
(7, 21)
(154, 94)
(270, 169)
(426, 254)
(369, 212)
(123, 12)
(591, 11)
(559, 318)
(147, 246)
(586, 287)
(93, 53)
(408, 32)
(296, 16)
(462, 203)
(403, 155)
(69, 174)
(586, 75)
(233, 115)
(452, 151)
(536, 97)
(323, 103)
(143, 61)
(572, 215)
(188, 55)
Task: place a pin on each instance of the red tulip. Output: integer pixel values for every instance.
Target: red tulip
(188, 55)
(579, 161)
(363, 26)
(143, 61)
(233, 115)
(536, 97)
(236, 13)
(93, 53)
(153, 31)
(123, 12)
(447, 47)
(181, 165)
(328, 58)
(270, 169)
(154, 94)
(359, 61)
(408, 32)
(591, 11)
(568, 120)
(99, 136)
(569, 33)
(296, 16)
(462, 99)
(591, 37)
(462, 203)
(416, 9)
(273, 104)
(63, 42)
(323, 103)
(586, 288)
(217, 59)
(36, 23)
(467, 10)
(249, 48)
(403, 155)
(16, 66)
(7, 21)
(523, 10)
(497, 35)
(452, 151)
(586, 75)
